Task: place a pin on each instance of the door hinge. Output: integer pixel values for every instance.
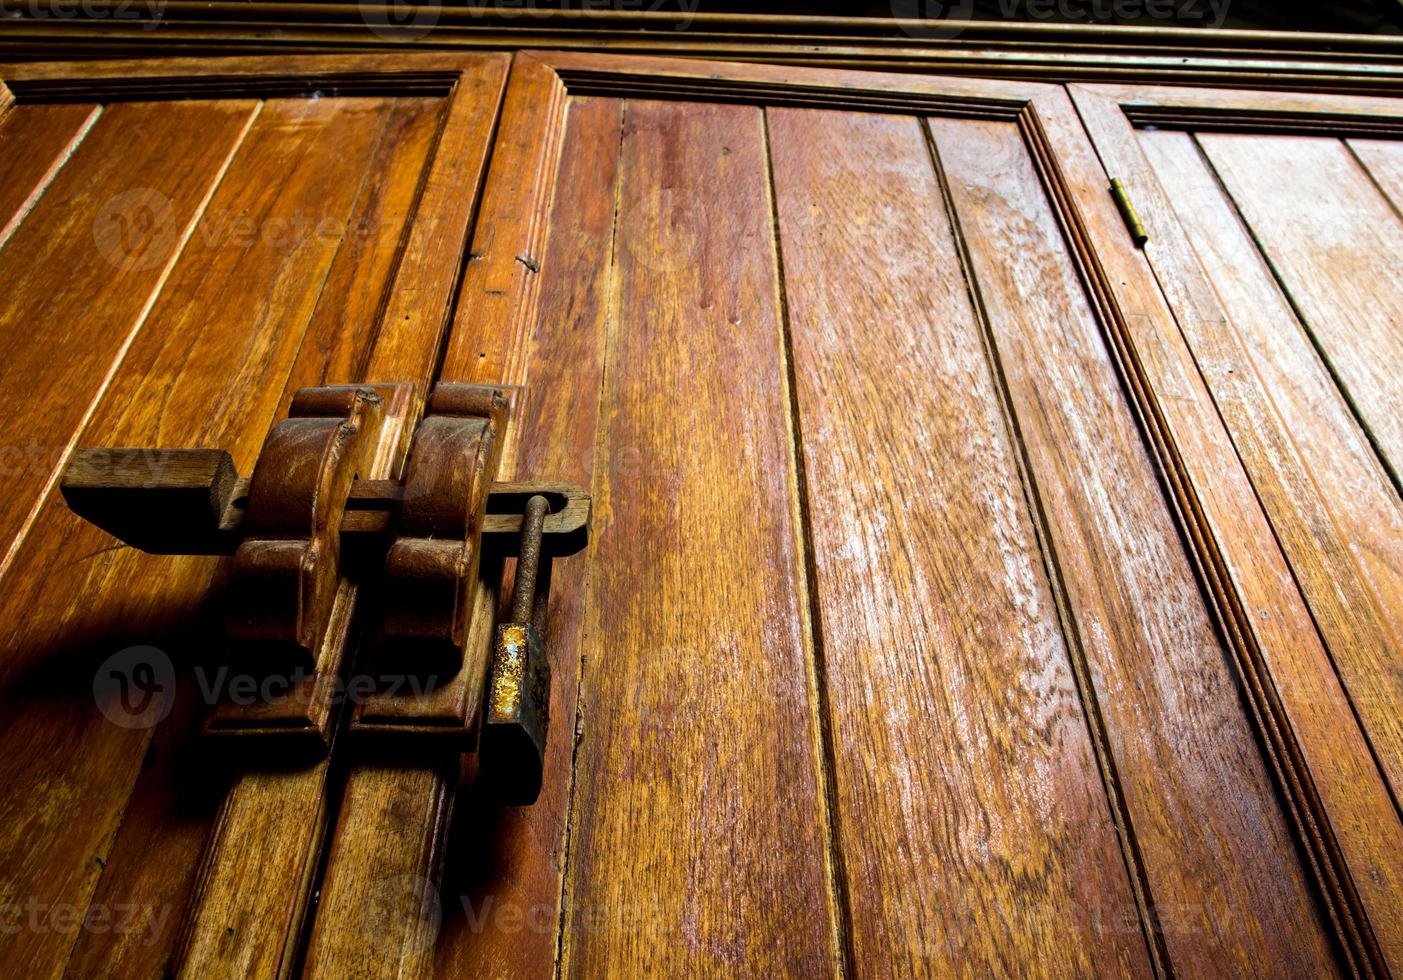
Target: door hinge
(1128, 213)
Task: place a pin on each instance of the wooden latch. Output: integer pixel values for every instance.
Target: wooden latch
(329, 516)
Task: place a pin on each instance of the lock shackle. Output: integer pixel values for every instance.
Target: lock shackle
(528, 560)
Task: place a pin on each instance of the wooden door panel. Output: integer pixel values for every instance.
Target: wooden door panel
(86, 262)
(1200, 810)
(1356, 534)
(1302, 510)
(48, 135)
(699, 738)
(1383, 159)
(505, 871)
(967, 589)
(1162, 750)
(930, 586)
(1333, 238)
(281, 282)
(208, 368)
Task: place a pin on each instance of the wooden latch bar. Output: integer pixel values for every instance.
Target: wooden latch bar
(315, 522)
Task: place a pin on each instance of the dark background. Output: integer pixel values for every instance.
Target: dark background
(1332, 16)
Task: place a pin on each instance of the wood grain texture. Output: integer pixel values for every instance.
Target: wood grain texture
(418, 306)
(345, 328)
(1335, 251)
(1223, 880)
(380, 913)
(505, 865)
(1383, 159)
(510, 217)
(1340, 804)
(157, 851)
(697, 798)
(83, 267)
(1337, 515)
(207, 369)
(497, 301)
(35, 142)
(973, 821)
(246, 910)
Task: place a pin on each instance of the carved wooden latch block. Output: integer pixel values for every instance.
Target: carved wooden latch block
(336, 518)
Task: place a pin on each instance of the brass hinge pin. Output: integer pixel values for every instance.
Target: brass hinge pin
(1128, 213)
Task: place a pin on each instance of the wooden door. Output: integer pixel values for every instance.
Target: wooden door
(1276, 229)
(184, 249)
(934, 617)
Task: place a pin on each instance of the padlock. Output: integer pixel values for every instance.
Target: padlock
(517, 711)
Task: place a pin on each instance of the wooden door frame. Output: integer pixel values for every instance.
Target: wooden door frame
(991, 49)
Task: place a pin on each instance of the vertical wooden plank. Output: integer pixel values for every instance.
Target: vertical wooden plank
(496, 304)
(380, 806)
(81, 270)
(510, 208)
(699, 836)
(345, 328)
(420, 302)
(1222, 875)
(1338, 518)
(1335, 249)
(35, 142)
(208, 370)
(1343, 811)
(502, 884)
(175, 805)
(1383, 160)
(972, 817)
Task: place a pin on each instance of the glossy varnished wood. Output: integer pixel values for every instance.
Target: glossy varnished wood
(496, 305)
(505, 865)
(1383, 159)
(698, 798)
(1334, 249)
(416, 313)
(35, 143)
(1340, 803)
(1341, 523)
(971, 814)
(91, 255)
(187, 380)
(1220, 871)
(1026, 751)
(511, 216)
(214, 332)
